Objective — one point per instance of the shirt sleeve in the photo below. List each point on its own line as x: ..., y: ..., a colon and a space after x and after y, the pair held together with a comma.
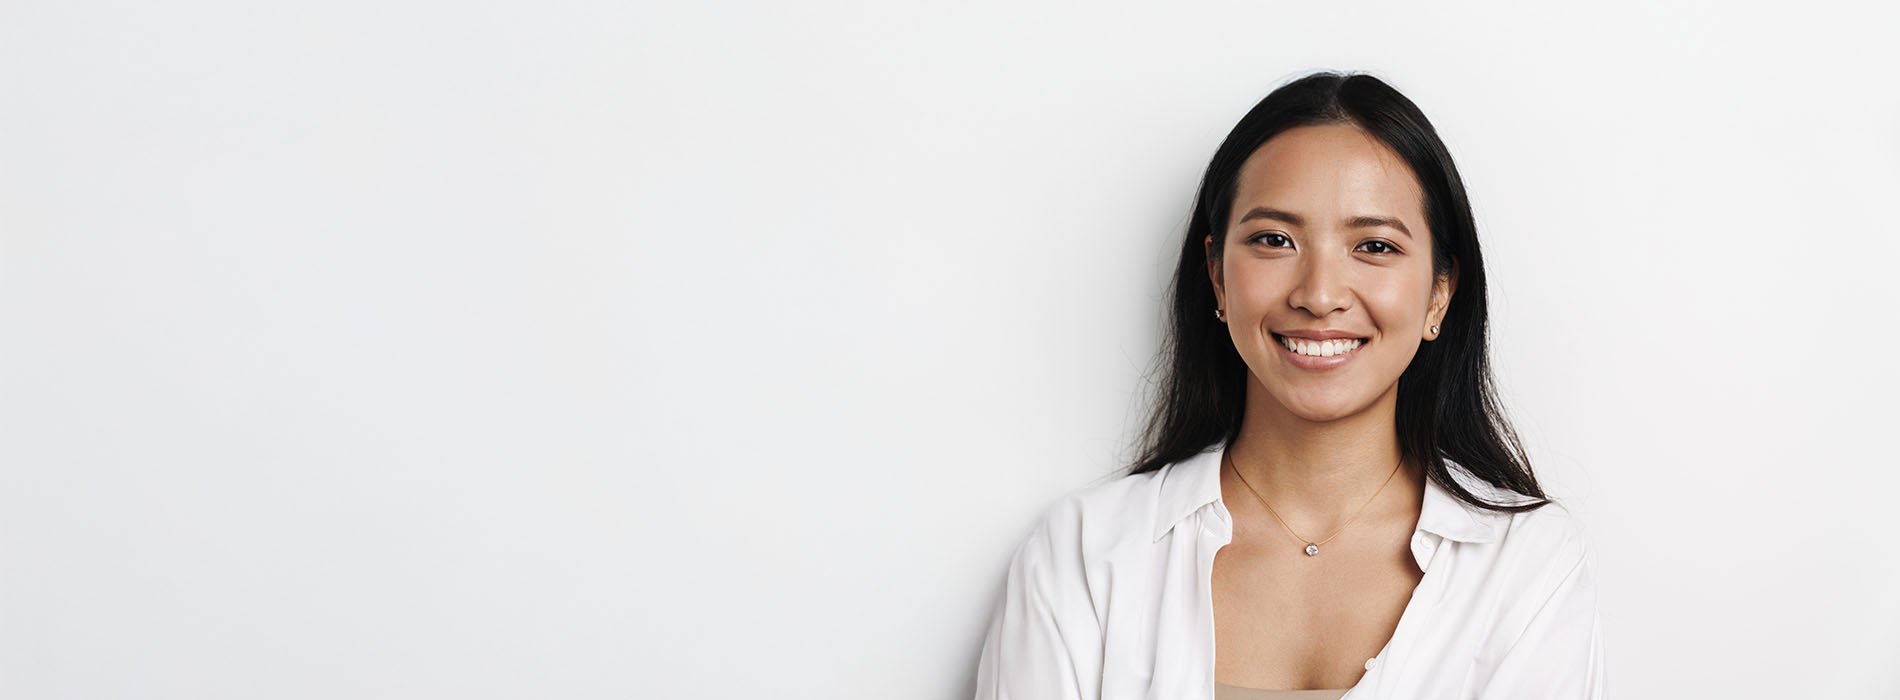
x: 1560, y: 652
x: 1031, y: 652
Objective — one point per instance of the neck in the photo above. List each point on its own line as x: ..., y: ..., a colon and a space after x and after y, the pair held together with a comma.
x: 1318, y: 473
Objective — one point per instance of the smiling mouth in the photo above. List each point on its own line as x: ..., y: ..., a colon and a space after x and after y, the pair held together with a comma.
x: 1320, y: 348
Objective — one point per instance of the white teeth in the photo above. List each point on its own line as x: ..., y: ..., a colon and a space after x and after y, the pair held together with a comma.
x: 1324, y: 348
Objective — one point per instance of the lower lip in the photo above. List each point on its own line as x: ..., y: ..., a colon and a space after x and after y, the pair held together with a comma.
x: 1314, y: 362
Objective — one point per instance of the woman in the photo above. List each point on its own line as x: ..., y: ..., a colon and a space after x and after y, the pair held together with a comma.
x: 1330, y: 502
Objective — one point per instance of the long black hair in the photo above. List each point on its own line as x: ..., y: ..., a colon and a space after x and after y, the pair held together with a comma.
x: 1447, y: 405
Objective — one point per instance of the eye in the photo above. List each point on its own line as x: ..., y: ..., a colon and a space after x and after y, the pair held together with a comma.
x: 1270, y: 235
x: 1384, y: 247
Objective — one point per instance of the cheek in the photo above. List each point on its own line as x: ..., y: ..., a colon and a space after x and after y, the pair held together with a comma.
x: 1258, y: 288
x: 1396, y: 304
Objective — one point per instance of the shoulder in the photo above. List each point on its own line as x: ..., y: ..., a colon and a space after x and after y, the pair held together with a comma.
x: 1544, y: 562
x: 1087, y: 524
x: 1545, y: 623
x: 1552, y: 532
x: 1531, y: 552
x: 1102, y: 515
x: 1047, y: 635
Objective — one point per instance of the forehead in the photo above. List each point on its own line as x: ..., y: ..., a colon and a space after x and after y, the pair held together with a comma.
x: 1329, y: 171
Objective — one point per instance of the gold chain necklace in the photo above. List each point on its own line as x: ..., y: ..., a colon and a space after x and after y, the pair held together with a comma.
x: 1312, y: 548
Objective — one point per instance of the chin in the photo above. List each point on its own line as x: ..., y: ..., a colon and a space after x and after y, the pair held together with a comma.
x: 1326, y: 416
x: 1325, y: 410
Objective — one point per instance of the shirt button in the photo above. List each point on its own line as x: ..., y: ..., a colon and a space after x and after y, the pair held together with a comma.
x: 1372, y: 663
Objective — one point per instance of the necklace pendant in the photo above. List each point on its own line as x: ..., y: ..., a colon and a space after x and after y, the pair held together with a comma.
x: 1311, y: 549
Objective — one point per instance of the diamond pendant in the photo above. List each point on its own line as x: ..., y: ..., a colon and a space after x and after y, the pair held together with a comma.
x: 1311, y: 549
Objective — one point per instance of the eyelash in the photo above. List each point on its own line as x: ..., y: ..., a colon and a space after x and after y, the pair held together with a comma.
x: 1390, y: 249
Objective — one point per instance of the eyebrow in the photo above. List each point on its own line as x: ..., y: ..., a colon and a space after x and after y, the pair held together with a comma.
x: 1272, y: 214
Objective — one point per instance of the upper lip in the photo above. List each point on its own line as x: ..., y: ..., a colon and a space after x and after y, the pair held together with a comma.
x: 1320, y: 334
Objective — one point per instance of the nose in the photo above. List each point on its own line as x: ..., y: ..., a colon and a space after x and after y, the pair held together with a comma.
x: 1322, y: 287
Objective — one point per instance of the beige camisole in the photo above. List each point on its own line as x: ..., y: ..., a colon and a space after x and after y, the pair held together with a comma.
x: 1223, y: 691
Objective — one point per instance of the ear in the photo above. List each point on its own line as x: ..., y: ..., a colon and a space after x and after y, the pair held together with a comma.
x: 1213, y: 273
x: 1442, y: 290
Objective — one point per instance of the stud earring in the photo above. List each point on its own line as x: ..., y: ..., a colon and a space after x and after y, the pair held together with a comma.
x: 1434, y: 330
x: 1220, y: 315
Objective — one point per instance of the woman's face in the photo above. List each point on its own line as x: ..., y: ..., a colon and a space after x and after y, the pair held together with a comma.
x: 1327, y: 236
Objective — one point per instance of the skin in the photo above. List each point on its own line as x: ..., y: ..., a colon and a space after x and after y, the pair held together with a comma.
x: 1318, y: 444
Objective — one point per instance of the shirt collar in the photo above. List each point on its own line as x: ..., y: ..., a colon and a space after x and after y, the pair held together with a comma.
x: 1192, y: 483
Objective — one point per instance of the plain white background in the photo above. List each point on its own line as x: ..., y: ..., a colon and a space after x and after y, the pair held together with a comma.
x: 588, y: 350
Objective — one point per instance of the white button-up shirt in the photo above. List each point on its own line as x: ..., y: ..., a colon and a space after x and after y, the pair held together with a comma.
x: 1111, y: 598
